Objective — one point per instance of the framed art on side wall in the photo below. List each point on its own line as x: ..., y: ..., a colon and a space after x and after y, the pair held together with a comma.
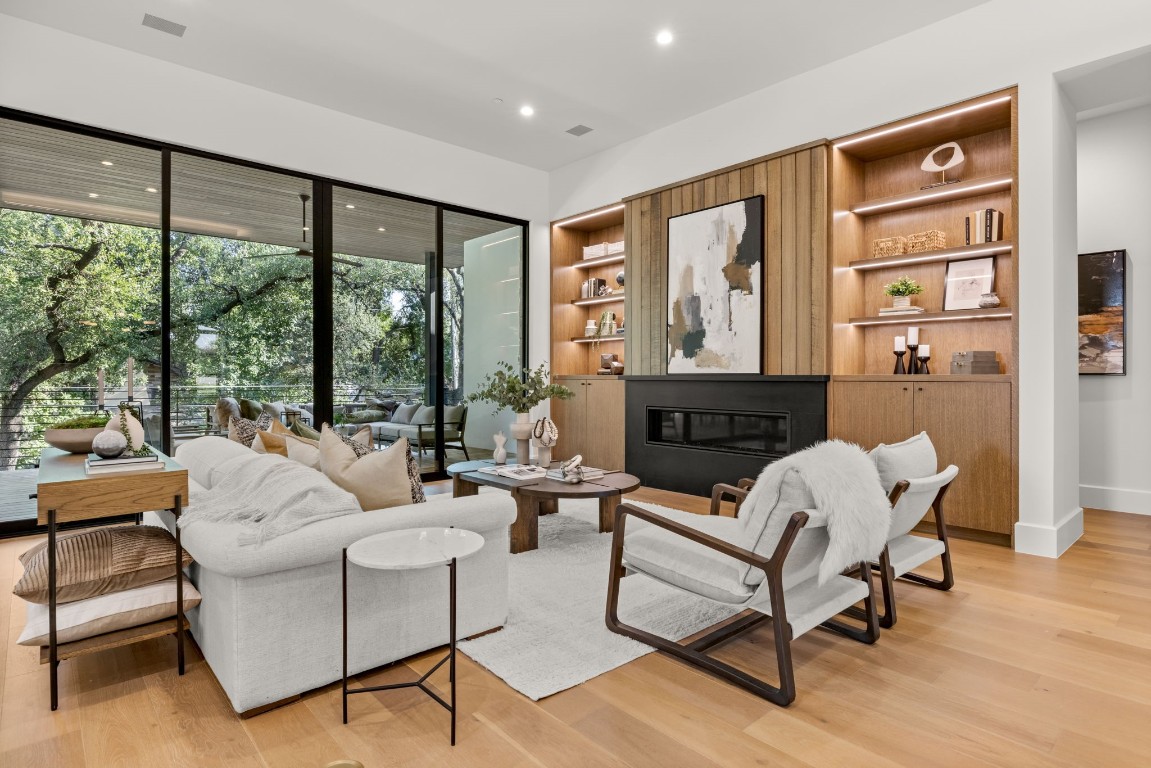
x: 967, y: 281
x: 715, y: 289
x: 1103, y: 312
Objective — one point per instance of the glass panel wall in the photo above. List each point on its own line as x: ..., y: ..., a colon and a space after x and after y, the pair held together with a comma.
x: 79, y: 291
x: 241, y: 276
x: 381, y: 250
x: 482, y: 299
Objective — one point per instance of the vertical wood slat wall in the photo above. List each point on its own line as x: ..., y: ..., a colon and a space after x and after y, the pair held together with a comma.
x: 796, y: 273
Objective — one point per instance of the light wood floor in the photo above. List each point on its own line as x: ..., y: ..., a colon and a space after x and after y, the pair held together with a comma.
x: 1028, y: 661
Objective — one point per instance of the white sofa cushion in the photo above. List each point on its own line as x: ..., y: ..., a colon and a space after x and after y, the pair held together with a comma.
x: 202, y: 455
x: 107, y: 613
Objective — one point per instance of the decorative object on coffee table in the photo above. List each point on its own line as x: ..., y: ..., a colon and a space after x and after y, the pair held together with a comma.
x: 108, y: 444
x: 500, y: 454
x: 546, y: 434
x: 715, y: 289
x: 519, y: 391
x: 75, y: 435
x: 413, y: 549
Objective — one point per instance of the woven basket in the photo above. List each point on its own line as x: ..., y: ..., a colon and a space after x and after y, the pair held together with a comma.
x: 888, y: 246
x: 931, y: 240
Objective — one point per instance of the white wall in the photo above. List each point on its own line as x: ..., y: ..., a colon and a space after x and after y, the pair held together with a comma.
x: 1115, y: 411
x: 1000, y: 43
x: 48, y: 72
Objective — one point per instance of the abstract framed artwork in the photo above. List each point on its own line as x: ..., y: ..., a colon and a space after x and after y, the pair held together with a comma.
x: 715, y: 289
x: 1103, y: 312
x: 967, y: 281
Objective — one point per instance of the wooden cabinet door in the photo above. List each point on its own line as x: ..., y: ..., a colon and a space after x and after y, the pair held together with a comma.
x: 603, y: 444
x: 871, y: 412
x: 570, y: 417
x: 970, y: 426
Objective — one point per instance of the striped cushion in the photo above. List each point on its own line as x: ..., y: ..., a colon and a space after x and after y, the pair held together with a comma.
x: 98, y: 562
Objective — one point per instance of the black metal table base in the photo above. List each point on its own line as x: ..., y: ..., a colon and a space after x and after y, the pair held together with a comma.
x: 450, y: 659
x: 54, y: 646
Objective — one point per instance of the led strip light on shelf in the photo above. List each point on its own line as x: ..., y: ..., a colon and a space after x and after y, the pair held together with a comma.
x: 956, y: 191
x: 593, y: 339
x: 915, y: 318
x: 923, y: 121
x: 928, y: 256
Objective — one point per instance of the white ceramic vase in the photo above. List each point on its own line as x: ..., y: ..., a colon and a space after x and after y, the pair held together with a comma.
x: 135, y: 429
x: 500, y: 454
x: 521, y: 430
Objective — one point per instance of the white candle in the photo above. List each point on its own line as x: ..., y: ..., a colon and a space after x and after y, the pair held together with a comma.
x: 925, y: 350
x: 100, y: 389
x: 131, y: 375
x: 900, y: 344
x: 913, y: 335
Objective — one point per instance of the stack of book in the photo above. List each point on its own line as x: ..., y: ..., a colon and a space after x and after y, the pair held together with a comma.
x: 94, y: 465
x: 984, y: 226
x: 912, y: 310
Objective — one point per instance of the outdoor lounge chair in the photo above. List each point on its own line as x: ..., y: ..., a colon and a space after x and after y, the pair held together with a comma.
x: 769, y: 559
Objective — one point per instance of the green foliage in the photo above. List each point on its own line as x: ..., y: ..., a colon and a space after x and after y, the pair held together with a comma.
x: 506, y: 388
x: 904, y: 286
x: 82, y: 422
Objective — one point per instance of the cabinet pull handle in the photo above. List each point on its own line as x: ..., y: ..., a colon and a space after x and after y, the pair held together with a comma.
x: 920, y: 388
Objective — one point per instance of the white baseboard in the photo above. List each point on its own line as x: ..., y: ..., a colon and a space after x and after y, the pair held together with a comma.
x: 1049, y: 540
x: 1116, y: 499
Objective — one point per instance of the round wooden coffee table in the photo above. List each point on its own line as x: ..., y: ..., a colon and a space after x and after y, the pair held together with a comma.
x: 541, y: 496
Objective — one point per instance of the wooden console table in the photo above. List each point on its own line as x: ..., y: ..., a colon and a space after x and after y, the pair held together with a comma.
x: 66, y: 493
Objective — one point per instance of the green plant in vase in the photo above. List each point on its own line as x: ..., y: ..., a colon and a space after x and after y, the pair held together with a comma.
x: 901, y: 290
x: 519, y: 391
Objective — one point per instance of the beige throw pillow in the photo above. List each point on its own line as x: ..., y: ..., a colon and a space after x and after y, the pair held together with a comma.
x: 272, y: 440
x: 378, y: 479
x: 98, y: 562
x: 307, y: 451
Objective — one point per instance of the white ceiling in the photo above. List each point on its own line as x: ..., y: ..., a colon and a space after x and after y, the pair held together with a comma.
x: 434, y: 68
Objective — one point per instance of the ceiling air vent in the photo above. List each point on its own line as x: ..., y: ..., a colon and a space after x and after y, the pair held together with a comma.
x: 578, y: 130
x: 163, y: 25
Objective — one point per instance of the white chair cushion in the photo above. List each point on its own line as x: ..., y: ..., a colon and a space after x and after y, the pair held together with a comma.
x: 908, y: 552
x: 809, y: 604
x: 683, y: 563
x: 914, y: 457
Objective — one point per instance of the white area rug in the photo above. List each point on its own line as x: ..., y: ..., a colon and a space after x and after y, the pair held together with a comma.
x: 555, y: 637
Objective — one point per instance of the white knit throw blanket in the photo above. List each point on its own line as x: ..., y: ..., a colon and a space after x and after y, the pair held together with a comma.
x: 845, y: 487
x: 269, y: 496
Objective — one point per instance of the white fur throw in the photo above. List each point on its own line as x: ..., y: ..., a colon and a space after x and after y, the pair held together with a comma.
x: 844, y: 485
x: 270, y: 496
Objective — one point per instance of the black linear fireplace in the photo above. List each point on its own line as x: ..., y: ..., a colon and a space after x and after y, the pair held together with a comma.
x: 686, y: 433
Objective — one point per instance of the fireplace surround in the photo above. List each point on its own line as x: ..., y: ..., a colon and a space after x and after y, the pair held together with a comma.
x: 686, y: 433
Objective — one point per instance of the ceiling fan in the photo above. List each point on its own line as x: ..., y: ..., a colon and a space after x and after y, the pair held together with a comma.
x: 304, y: 248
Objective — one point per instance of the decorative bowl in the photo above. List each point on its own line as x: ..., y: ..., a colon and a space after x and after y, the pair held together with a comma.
x: 72, y: 440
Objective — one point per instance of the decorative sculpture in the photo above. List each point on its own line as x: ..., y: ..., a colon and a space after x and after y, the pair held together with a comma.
x: 500, y: 454
x: 545, y: 434
x: 931, y: 166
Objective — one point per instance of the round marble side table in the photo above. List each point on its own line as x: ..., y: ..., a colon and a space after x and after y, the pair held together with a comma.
x: 411, y: 549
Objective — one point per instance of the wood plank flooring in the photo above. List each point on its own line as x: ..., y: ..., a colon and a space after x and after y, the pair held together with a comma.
x: 1027, y: 662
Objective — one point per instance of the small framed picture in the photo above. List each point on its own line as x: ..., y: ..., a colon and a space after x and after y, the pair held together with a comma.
x: 967, y: 281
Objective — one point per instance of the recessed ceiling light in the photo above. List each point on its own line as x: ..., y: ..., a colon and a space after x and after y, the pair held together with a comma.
x: 106, y: 162
x: 664, y: 37
x: 381, y: 229
x: 150, y: 189
x: 349, y: 206
x: 92, y: 194
x: 527, y: 111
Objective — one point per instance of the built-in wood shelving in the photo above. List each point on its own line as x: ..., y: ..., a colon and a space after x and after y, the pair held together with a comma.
x: 593, y: 339
x: 929, y: 257
x: 957, y: 191
x: 600, y: 261
x: 917, y: 318
x: 610, y: 298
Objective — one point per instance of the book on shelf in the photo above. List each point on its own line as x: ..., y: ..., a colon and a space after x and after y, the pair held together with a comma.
x: 984, y: 226
x: 148, y: 466
x: 901, y: 310
x: 127, y: 458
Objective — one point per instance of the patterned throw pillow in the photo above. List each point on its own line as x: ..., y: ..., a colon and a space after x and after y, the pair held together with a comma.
x: 244, y: 431
x: 360, y: 442
x: 414, y: 480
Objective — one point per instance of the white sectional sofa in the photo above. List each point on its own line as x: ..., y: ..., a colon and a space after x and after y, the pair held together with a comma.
x: 269, y: 625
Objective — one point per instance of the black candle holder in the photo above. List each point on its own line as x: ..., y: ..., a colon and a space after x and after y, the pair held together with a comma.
x: 912, y: 364
x: 923, y: 369
x: 899, y: 369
